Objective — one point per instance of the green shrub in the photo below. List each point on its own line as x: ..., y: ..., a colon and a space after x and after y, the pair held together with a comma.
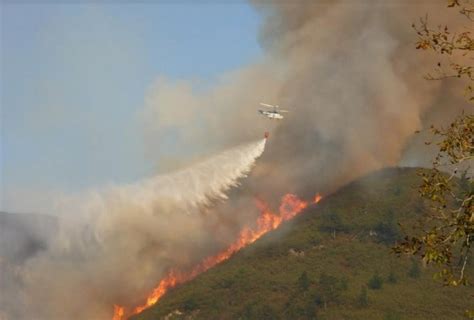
x: 388, y: 230
x: 392, y: 277
x: 332, y: 223
x: 189, y: 304
x: 328, y: 290
x: 303, y: 281
x: 375, y: 282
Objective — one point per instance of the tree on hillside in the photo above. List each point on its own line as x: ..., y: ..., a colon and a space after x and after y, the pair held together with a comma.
x: 329, y: 289
x: 333, y: 223
x: 303, y: 281
x: 446, y: 234
x: 189, y: 304
x: 387, y: 230
x: 375, y: 282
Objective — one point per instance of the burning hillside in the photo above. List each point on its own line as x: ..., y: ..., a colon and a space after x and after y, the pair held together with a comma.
x: 317, y: 267
x: 290, y: 206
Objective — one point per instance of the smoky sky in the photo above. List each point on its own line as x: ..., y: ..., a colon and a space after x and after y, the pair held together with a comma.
x: 348, y: 72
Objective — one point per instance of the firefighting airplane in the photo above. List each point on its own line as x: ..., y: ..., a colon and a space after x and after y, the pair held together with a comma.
x: 272, y: 114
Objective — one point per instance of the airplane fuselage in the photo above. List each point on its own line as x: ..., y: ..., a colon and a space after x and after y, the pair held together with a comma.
x: 271, y: 114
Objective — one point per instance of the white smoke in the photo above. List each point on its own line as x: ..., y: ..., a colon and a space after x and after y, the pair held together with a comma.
x: 116, y: 243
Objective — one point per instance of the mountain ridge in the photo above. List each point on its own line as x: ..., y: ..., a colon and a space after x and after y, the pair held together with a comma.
x: 331, y: 262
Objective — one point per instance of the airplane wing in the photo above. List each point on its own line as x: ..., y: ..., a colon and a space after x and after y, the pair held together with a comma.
x: 268, y: 105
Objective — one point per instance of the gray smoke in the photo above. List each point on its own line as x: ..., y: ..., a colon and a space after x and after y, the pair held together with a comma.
x: 351, y: 78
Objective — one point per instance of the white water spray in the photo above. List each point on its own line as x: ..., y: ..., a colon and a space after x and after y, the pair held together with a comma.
x: 199, y: 184
x: 115, y: 243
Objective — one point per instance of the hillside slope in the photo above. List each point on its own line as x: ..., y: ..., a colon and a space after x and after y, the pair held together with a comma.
x: 331, y: 262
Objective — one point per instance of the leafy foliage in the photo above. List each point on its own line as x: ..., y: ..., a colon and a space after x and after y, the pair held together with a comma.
x: 445, y: 235
x: 452, y: 44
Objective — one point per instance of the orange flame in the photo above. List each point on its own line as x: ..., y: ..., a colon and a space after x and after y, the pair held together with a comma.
x: 118, y: 312
x: 317, y: 198
x: 290, y: 206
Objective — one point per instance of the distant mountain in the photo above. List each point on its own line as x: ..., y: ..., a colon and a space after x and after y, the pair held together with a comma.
x: 331, y: 262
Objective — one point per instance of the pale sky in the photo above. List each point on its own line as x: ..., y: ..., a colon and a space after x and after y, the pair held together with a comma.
x: 74, y: 78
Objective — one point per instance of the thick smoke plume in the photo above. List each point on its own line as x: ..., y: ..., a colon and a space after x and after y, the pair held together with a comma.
x: 114, y: 244
x: 352, y: 80
x: 348, y: 72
